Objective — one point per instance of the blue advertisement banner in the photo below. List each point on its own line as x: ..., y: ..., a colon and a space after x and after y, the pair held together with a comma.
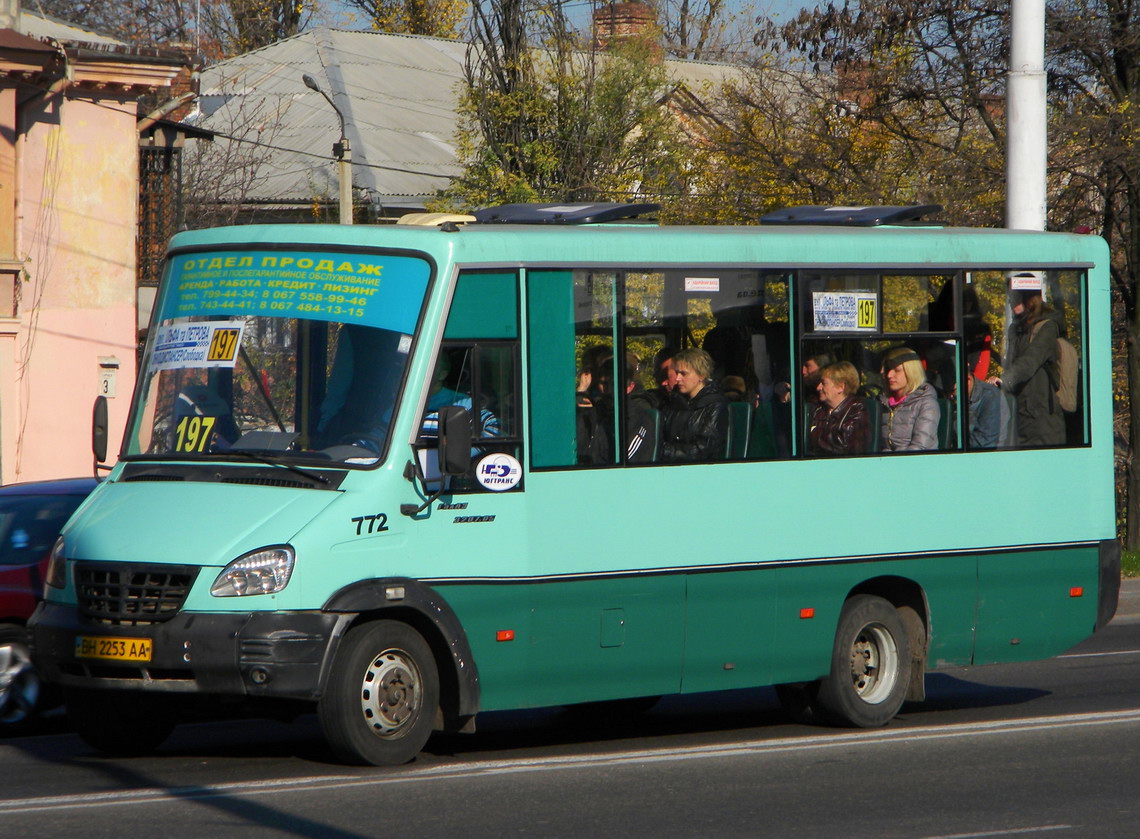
x: 384, y: 291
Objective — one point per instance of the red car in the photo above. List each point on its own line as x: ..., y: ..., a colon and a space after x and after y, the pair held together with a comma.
x: 31, y: 516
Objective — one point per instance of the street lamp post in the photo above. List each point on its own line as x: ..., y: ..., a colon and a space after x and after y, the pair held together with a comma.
x: 342, y: 151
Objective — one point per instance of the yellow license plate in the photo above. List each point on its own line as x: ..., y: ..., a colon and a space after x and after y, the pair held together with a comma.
x: 113, y: 649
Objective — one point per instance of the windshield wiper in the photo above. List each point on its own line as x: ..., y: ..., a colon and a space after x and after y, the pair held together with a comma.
x: 270, y: 459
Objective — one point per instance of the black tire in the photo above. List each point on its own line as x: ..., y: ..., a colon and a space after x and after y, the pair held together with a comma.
x: 118, y: 722
x: 380, y: 702
x: 870, y: 665
x: 21, y: 692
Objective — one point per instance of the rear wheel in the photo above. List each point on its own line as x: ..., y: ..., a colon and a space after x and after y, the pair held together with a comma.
x: 380, y: 702
x: 120, y: 722
x: 20, y: 687
x: 870, y: 665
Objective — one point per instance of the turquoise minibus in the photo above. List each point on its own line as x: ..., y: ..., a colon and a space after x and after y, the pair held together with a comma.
x: 555, y: 454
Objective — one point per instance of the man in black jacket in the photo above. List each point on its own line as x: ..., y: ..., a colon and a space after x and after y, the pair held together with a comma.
x: 696, y: 429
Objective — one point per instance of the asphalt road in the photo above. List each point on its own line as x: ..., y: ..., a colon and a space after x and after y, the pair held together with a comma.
x: 1042, y: 749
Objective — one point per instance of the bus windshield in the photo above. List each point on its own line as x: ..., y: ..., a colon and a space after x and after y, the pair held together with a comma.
x: 298, y: 356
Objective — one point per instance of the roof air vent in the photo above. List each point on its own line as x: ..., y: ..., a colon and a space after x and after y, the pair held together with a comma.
x: 562, y: 213
x: 853, y: 216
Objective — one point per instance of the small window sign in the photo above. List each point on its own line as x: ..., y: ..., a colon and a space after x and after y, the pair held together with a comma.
x: 845, y: 311
x: 1026, y: 281
x: 710, y: 284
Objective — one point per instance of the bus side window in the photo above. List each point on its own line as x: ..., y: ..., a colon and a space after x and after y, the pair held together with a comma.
x: 1037, y: 323
x: 601, y: 387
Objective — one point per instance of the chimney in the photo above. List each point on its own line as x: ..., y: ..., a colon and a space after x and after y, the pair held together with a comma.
x: 10, y: 14
x: 627, y: 19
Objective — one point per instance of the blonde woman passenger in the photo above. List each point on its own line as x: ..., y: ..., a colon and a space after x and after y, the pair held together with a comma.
x: 910, y: 406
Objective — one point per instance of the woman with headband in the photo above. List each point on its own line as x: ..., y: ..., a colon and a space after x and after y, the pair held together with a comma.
x: 910, y: 406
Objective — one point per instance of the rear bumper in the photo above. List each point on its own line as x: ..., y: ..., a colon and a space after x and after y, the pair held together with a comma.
x: 1108, y: 592
x: 257, y: 654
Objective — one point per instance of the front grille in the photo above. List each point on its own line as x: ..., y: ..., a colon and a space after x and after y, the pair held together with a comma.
x: 123, y: 594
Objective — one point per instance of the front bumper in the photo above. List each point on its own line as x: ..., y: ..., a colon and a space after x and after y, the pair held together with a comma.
x: 281, y: 655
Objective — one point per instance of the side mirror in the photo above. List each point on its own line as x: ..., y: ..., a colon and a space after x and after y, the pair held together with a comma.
x: 99, y: 429
x: 451, y: 456
x: 454, y: 440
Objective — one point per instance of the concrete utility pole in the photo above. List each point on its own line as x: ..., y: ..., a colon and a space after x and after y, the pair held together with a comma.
x: 342, y: 151
x: 1026, y: 155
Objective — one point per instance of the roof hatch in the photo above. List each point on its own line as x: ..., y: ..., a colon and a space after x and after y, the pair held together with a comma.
x: 853, y: 216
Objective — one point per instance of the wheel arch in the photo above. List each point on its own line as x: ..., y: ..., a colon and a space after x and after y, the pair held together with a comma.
x: 425, y: 610
x: 909, y: 599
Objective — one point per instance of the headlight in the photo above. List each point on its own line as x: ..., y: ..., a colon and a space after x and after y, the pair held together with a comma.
x: 57, y: 566
x: 265, y: 571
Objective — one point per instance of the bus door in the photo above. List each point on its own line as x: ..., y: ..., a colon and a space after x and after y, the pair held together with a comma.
x: 470, y: 543
x: 601, y: 627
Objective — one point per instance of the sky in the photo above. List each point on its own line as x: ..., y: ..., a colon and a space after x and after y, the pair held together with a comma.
x: 340, y: 13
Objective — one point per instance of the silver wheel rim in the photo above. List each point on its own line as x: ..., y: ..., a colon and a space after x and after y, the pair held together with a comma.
x: 874, y: 663
x: 391, y: 694
x: 19, y: 684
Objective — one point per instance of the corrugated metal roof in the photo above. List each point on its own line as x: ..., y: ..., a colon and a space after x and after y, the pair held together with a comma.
x: 42, y: 26
x: 398, y: 94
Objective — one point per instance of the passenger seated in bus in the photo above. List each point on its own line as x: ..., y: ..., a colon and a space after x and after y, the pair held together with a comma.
x: 735, y: 390
x: 840, y: 423
x: 809, y: 379
x: 593, y: 359
x: 696, y: 429
x: 983, y: 411
x: 666, y: 377
x: 910, y: 406
x: 596, y: 421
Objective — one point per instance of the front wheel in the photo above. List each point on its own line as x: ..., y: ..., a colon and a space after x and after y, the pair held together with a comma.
x: 380, y: 702
x: 870, y: 665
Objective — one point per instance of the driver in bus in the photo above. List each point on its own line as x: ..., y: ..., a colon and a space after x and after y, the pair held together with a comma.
x: 441, y: 396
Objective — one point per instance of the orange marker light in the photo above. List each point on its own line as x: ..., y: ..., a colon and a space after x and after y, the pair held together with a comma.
x: 807, y: 614
x: 505, y: 635
x: 1077, y: 591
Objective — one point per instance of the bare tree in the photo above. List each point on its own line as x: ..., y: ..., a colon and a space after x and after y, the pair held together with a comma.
x: 704, y: 29
x: 222, y: 175
x: 134, y: 21
x: 221, y: 28
x: 440, y: 18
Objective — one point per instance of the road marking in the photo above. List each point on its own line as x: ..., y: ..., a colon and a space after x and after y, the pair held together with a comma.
x: 484, y: 768
x: 1099, y: 655
x: 1014, y: 832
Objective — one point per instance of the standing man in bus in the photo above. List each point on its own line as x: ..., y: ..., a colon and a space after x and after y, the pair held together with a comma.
x: 1032, y: 364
